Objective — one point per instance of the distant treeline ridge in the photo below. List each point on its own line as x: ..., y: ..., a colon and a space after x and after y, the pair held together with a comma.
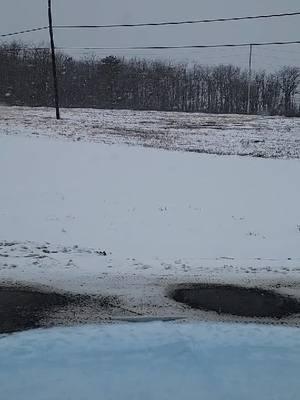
x: 111, y: 82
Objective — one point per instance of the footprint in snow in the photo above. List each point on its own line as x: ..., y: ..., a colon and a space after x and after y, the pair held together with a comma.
x: 144, y: 267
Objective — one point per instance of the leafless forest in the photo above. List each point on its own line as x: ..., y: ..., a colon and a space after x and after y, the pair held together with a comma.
x: 121, y: 83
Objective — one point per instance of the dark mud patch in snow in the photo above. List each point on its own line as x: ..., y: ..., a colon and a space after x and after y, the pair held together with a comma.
x: 27, y: 308
x: 238, y: 301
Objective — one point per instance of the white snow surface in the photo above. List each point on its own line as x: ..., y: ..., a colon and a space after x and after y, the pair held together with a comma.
x: 152, y: 361
x: 246, y: 135
x: 167, y: 215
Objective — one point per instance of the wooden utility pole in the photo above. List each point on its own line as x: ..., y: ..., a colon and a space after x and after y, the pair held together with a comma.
x: 249, y: 79
x: 55, y: 83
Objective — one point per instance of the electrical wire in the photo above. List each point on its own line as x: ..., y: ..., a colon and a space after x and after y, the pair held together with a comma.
x: 188, y: 22
x: 200, y: 46
x: 42, y: 28
x: 166, y: 23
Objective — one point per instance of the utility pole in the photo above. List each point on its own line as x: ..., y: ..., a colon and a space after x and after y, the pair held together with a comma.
x: 55, y: 83
x: 249, y: 78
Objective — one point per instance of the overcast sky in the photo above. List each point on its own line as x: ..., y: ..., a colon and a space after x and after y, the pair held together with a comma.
x: 19, y: 14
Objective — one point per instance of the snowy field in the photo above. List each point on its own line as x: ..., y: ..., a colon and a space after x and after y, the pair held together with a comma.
x: 259, y: 136
x: 152, y: 361
x: 161, y: 217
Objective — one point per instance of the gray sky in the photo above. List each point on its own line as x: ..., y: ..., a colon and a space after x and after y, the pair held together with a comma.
x: 19, y: 14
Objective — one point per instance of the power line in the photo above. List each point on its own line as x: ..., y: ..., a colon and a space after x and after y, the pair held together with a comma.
x: 188, y: 22
x: 42, y: 28
x: 200, y: 46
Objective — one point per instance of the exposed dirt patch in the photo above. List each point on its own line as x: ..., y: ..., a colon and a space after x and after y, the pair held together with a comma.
x: 26, y: 308
x: 234, y: 300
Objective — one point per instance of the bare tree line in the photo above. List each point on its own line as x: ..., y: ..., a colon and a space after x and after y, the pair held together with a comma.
x: 111, y: 82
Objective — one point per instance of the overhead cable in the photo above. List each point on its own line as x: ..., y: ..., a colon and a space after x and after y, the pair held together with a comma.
x: 42, y: 28
x: 194, y: 46
x: 187, y: 22
x: 164, y: 23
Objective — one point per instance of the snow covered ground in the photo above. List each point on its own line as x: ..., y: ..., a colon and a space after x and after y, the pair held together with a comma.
x: 152, y: 361
x: 259, y: 136
x: 160, y: 216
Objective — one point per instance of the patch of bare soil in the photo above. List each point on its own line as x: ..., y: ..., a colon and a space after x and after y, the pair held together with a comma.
x: 238, y: 301
x: 26, y: 308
